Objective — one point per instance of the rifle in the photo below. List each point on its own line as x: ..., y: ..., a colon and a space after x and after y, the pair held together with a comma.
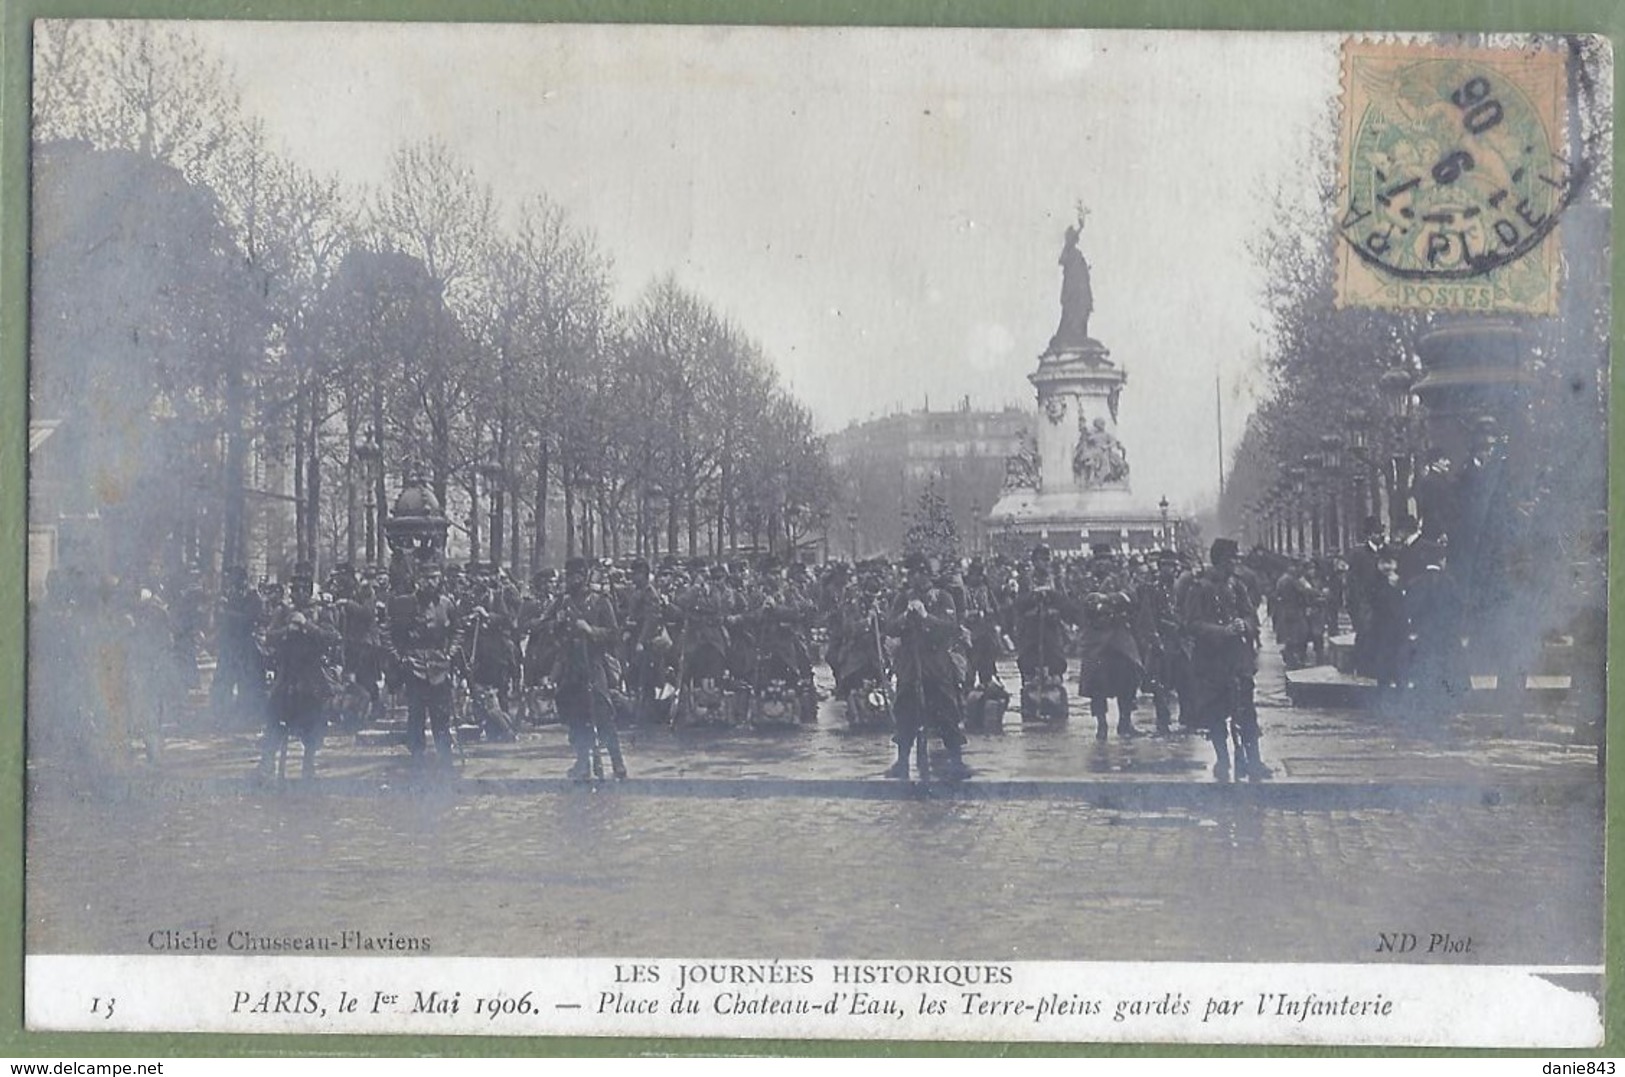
x: 682, y: 670
x: 756, y: 669
x: 1040, y: 602
x: 921, y: 740
x: 880, y: 664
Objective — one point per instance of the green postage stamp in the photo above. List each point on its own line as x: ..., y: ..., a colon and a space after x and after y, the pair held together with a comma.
x: 1455, y: 167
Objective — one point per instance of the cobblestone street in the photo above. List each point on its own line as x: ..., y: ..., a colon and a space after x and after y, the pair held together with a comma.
x: 591, y: 872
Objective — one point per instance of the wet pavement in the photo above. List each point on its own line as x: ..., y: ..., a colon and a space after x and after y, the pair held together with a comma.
x: 591, y: 872
x: 791, y: 844
x: 1352, y: 750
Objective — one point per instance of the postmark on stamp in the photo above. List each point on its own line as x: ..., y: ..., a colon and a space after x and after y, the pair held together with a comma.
x: 1454, y: 171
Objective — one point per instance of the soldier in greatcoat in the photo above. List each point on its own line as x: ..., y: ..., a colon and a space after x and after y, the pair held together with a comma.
x: 926, y: 625
x: 1219, y: 617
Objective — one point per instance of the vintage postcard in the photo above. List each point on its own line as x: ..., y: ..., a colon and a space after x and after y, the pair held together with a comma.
x: 824, y: 533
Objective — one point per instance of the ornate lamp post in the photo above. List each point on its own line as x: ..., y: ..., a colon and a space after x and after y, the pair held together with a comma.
x: 1314, y: 471
x: 656, y: 502
x: 416, y: 532
x: 1331, y: 455
x: 371, y: 455
x: 1359, y: 430
x: 1398, y: 401
x: 1278, y: 508
x: 1162, y: 507
x: 1295, y: 476
x: 494, y: 474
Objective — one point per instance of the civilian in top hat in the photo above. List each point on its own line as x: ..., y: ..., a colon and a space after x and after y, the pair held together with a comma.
x: 1362, y: 585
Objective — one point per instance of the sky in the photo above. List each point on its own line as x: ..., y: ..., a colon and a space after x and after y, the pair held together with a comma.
x: 881, y: 208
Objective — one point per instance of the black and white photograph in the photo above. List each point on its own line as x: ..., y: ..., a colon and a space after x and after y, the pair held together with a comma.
x: 828, y: 533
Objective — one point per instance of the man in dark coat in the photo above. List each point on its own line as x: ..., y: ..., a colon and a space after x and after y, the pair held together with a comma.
x: 298, y: 648
x: 1114, y: 623
x: 1042, y: 611
x: 1166, y: 670
x: 704, y: 638
x: 363, y: 642
x: 1433, y: 662
x: 1295, y: 605
x: 980, y: 616
x: 1387, y: 624
x: 422, y: 628
x: 489, y: 659
x: 926, y: 625
x: 778, y: 614
x: 1362, y: 585
x: 1218, y: 614
x: 643, y: 637
x: 238, y: 687
x: 587, y: 633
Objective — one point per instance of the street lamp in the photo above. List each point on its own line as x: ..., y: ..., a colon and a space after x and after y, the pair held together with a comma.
x: 495, y: 474
x: 1331, y: 455
x: 1314, y: 464
x: 1396, y: 387
x: 1162, y: 506
x: 1295, y: 478
x: 371, y: 455
x: 656, y: 505
x: 1267, y: 507
x: 1359, y: 428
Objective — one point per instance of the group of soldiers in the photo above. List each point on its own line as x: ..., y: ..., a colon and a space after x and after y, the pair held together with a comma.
x: 602, y: 641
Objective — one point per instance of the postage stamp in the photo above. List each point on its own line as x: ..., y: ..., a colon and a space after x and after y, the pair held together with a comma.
x: 1455, y: 168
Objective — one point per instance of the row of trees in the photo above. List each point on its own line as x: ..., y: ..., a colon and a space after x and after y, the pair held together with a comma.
x: 210, y: 319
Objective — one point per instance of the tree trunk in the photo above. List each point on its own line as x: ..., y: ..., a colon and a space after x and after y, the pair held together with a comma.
x: 380, y: 504
x: 313, y: 478
x: 693, y: 520
x: 351, y: 421
x: 538, y: 548
x: 516, y: 535
x: 235, y: 501
x: 569, y: 515
x: 497, y: 494
x: 299, y: 409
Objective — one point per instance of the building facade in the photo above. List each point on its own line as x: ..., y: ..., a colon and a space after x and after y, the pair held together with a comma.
x: 886, y: 464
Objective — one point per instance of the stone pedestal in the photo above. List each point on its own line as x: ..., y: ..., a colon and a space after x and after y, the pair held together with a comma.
x: 1081, y: 493
x: 1077, y: 397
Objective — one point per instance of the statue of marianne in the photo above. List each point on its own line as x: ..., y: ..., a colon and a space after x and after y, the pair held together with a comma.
x: 1077, y: 296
